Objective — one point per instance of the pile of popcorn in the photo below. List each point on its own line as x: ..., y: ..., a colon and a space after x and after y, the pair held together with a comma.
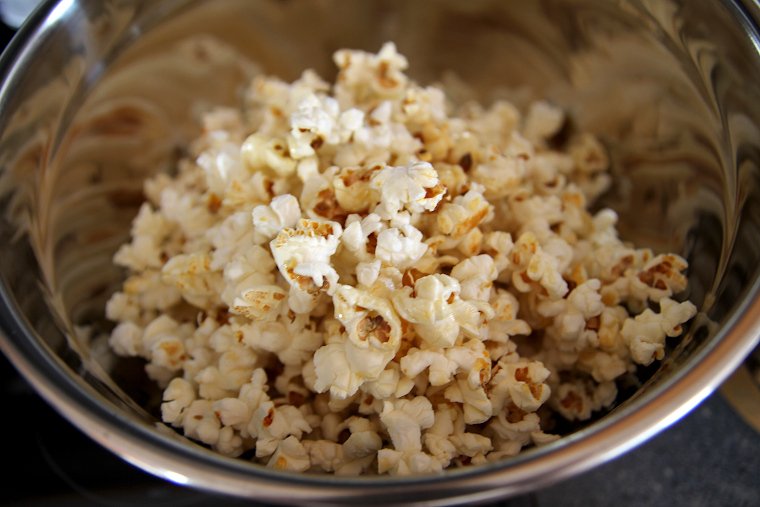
x: 363, y: 278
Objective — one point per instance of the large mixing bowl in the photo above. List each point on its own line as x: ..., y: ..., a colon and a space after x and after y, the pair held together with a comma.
x: 98, y: 94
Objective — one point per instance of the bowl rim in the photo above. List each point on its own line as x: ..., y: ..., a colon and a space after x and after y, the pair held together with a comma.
x: 172, y: 458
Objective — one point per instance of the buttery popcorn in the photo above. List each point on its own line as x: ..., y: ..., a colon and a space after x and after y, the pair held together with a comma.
x: 364, y: 278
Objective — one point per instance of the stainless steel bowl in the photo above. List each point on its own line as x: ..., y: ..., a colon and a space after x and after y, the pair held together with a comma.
x: 97, y: 94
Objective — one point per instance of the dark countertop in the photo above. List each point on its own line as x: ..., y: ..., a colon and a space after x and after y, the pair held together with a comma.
x: 710, y: 458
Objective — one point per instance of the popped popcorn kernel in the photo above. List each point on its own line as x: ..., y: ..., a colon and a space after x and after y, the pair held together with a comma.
x: 367, y: 278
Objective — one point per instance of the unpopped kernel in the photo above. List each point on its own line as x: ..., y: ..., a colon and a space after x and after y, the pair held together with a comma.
x: 365, y: 278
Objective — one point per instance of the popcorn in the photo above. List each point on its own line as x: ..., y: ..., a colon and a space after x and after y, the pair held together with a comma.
x: 476, y: 276
x: 415, y: 188
x: 260, y: 303
x: 148, y: 231
x: 463, y: 214
x: 260, y: 153
x: 571, y: 315
x: 311, y: 124
x: 500, y: 174
x: 333, y: 372
x: 228, y: 237
x: 437, y: 438
x: 353, y: 191
x: 405, y: 420
x: 290, y: 455
x: 435, y: 309
x: 282, y: 212
x: 338, y: 277
x: 191, y: 274
x: 360, y: 236
x: 271, y: 425
x: 578, y: 400
x: 477, y: 407
x: 373, y: 337
x: 293, y: 345
x: 645, y: 334
x: 201, y: 423
x: 400, y: 247
x: 471, y: 359
x: 178, y: 396
x: 543, y: 121
x: 303, y: 257
x: 126, y: 339
x: 533, y: 264
x: 520, y: 383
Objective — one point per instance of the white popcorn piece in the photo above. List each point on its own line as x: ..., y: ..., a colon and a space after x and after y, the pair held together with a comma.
x: 356, y: 236
x: 415, y: 188
x: 303, y: 256
x: 437, y: 438
x: 250, y: 268
x: 472, y: 359
x: 571, y: 315
x: 367, y: 272
x: 221, y: 161
x: 290, y: 455
x: 232, y: 412
x: 178, y: 396
x: 498, y: 245
x: 521, y: 383
x: 363, y: 76
x: 602, y: 366
x: 312, y: 124
x: 353, y: 191
x: 505, y: 322
x: 122, y: 307
x: 406, y: 463
x: 200, y: 422
x: 192, y: 275
x: 230, y: 239
x: 390, y: 383
x: 271, y: 425
x: 400, y: 247
x: 333, y: 372
x: 284, y: 211
x: 580, y: 399
x: 149, y: 291
x: 435, y: 309
x: 471, y: 444
x: 229, y: 443
x: 424, y: 105
x: 260, y: 303
x: 161, y: 329
x: 645, y: 334
x: 404, y: 421
x: 261, y: 153
x: 126, y: 339
x: 463, y: 213
x: 293, y: 345
x: 373, y: 336
x: 532, y: 264
x: 500, y: 174
x: 168, y: 352
x: 441, y: 368
x: 142, y: 253
x: 324, y: 454
x: 475, y: 402
x: 513, y: 429
x: 542, y: 121
x: 476, y: 276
